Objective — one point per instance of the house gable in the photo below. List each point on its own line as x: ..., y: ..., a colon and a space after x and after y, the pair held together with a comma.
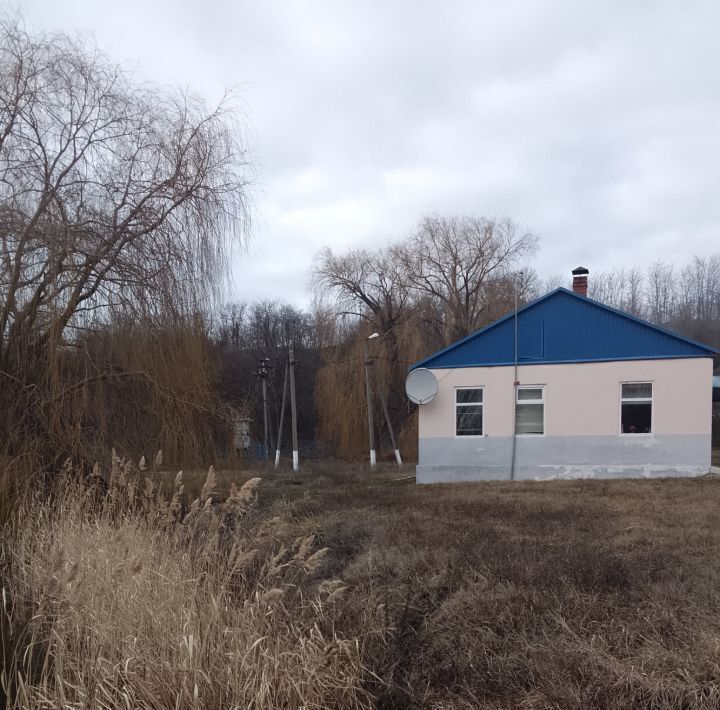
x: 565, y: 327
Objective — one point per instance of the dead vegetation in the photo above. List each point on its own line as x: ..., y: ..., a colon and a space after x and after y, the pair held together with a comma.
x: 118, y: 596
x: 119, y: 206
x: 585, y: 594
x: 336, y: 588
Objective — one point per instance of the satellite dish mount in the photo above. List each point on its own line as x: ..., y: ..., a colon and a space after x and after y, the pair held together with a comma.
x: 421, y: 386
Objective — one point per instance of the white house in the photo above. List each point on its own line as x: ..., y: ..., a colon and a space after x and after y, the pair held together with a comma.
x: 566, y: 387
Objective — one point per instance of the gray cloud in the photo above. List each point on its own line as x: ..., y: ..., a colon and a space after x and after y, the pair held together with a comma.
x: 592, y: 124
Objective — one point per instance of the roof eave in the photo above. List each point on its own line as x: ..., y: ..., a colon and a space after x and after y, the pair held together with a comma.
x: 577, y: 361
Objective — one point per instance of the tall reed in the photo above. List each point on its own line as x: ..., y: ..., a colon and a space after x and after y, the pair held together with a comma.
x: 116, y: 595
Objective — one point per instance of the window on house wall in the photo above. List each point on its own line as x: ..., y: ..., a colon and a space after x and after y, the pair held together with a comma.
x: 530, y: 411
x: 469, y: 411
x: 636, y: 408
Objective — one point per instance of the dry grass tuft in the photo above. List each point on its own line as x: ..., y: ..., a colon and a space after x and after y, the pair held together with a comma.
x: 115, y: 596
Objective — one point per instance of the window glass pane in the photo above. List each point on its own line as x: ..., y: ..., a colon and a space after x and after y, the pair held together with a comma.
x: 469, y: 420
x: 636, y: 418
x: 529, y: 418
x: 474, y: 395
x: 635, y: 390
x: 528, y: 393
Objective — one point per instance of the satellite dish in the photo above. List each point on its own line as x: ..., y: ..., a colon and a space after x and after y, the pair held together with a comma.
x: 421, y: 386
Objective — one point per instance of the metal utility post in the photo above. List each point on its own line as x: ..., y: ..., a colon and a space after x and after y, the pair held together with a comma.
x: 293, y: 412
x: 263, y: 372
x: 282, y: 417
x: 515, y: 384
x: 368, y: 394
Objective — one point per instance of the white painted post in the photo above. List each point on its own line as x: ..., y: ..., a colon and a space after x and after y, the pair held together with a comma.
x: 368, y: 394
x: 282, y: 418
x: 293, y: 412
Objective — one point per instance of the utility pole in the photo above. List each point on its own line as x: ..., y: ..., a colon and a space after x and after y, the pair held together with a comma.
x: 263, y: 372
x: 383, y: 401
x: 515, y: 383
x: 282, y: 417
x: 368, y: 394
x: 293, y: 411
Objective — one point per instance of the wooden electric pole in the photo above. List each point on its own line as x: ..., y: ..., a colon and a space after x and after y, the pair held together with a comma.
x: 368, y: 394
x: 293, y: 412
x: 263, y: 372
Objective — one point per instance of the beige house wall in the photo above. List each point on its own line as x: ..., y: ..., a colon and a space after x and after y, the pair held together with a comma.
x: 581, y: 399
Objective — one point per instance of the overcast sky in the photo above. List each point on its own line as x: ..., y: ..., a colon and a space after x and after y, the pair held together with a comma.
x: 595, y: 125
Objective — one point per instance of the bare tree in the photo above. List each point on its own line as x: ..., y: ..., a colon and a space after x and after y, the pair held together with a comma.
x: 704, y: 276
x: 620, y: 288
x: 608, y: 287
x: 366, y: 284
x: 660, y: 292
x: 551, y: 283
x: 114, y: 198
x: 452, y: 276
x: 634, y: 297
x: 687, y: 300
x: 459, y: 261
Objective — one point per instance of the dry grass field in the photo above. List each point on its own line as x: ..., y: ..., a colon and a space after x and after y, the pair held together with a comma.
x: 340, y: 589
x: 586, y: 594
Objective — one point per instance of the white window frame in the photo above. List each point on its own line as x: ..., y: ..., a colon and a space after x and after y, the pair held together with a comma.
x: 637, y: 400
x: 518, y: 402
x: 470, y: 404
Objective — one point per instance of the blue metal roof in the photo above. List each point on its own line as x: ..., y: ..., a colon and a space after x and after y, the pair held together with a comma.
x: 565, y: 327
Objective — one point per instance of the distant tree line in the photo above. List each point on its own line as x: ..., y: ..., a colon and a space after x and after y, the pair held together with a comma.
x: 685, y: 299
x: 245, y: 333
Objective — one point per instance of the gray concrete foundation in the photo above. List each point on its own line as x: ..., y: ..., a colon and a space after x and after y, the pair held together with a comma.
x: 561, y: 457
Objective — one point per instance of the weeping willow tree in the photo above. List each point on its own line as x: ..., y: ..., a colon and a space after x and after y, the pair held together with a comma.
x: 119, y: 202
x: 454, y: 275
x: 340, y: 390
